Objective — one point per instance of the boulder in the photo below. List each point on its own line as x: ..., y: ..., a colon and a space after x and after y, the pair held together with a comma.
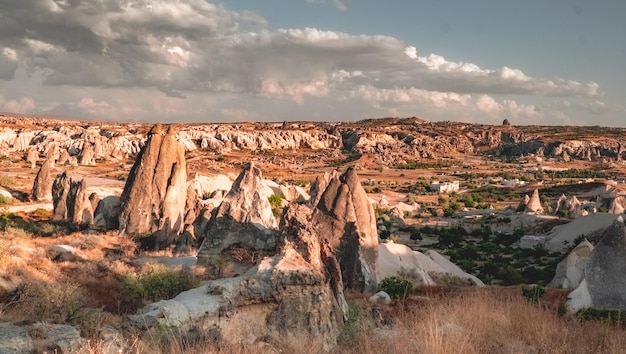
x: 396, y: 217
x: 604, y: 285
x: 15, y: 339
x: 345, y: 217
x: 380, y: 297
x: 243, y: 218
x: 155, y: 192
x: 42, y: 185
x: 60, y: 338
x: 107, y: 213
x: 570, y: 271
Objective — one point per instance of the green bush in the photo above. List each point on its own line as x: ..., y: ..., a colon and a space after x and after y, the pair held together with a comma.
x: 156, y: 282
x: 396, y: 287
x: 276, y: 201
x: 533, y: 294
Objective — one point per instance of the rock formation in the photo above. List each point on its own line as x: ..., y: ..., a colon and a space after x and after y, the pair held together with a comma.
x: 42, y: 185
x: 296, y: 294
x: 87, y: 157
x: 618, y: 205
x: 155, y: 192
x: 345, y: 217
x: 243, y: 218
x: 534, y: 203
x: 604, y: 285
x: 70, y: 201
x: 32, y: 157
x: 319, y: 186
x: 570, y: 271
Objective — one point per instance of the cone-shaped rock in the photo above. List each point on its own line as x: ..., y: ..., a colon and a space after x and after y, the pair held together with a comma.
x: 32, y: 157
x: 319, y: 186
x: 604, y: 286
x: 345, y: 217
x: 155, y: 192
x: 534, y: 203
x: 244, y: 218
x: 70, y: 201
x: 42, y: 186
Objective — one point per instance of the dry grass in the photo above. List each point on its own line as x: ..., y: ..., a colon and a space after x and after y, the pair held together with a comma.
x: 487, y: 321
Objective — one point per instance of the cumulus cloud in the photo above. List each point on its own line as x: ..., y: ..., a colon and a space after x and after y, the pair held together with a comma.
x: 189, y: 48
x: 19, y: 105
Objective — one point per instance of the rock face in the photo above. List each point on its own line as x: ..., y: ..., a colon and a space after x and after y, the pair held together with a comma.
x: 319, y: 186
x: 87, y: 157
x: 570, y: 271
x: 43, y: 183
x: 70, y: 201
x: 155, y: 191
x: 243, y: 218
x: 298, y: 293
x: 534, y: 203
x: 618, y: 205
x: 604, y: 286
x: 345, y: 217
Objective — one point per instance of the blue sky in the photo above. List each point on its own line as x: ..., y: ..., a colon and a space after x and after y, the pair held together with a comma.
x: 533, y: 62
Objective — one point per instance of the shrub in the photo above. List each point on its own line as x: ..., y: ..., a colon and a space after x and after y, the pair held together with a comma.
x: 156, y: 282
x: 5, y: 201
x: 396, y: 287
x: 276, y: 201
x: 533, y: 294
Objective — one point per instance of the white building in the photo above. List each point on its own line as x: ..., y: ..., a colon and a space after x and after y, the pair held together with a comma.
x: 445, y: 187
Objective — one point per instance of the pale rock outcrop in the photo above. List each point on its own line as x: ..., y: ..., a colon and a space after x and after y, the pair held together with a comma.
x: 87, y: 157
x: 562, y: 237
x: 107, y: 213
x: 155, y: 192
x: 396, y: 217
x: 345, y: 217
x: 22, y: 140
x: 604, y: 285
x: 618, y: 205
x: 60, y: 192
x: 32, y: 157
x: 570, y: 271
x: 243, y: 218
x: 422, y: 268
x: 534, y: 203
x: 295, y: 295
x: 42, y: 185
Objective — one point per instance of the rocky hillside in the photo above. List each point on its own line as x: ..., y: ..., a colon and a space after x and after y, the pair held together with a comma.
x: 391, y: 140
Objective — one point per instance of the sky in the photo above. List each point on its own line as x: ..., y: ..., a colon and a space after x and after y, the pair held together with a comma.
x: 534, y: 62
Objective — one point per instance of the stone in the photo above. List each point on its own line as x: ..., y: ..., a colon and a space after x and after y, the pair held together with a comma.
x: 570, y: 272
x: 155, y: 192
x: 243, y: 218
x: 397, y: 217
x: 380, y: 297
x: 15, y: 339
x: 604, y: 285
x: 42, y: 186
x: 60, y: 338
x: 345, y: 217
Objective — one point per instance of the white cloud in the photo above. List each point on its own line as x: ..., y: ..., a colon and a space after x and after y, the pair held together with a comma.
x: 20, y: 105
x: 183, y: 50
